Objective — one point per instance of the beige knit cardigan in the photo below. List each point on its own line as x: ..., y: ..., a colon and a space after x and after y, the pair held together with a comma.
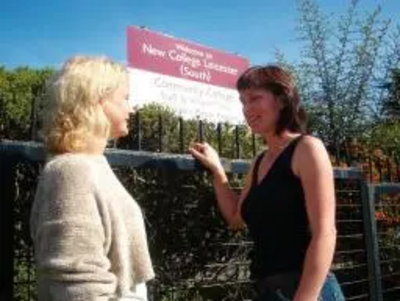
x: 89, y: 235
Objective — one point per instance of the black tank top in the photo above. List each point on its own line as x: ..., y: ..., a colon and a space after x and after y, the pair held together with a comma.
x: 275, y: 213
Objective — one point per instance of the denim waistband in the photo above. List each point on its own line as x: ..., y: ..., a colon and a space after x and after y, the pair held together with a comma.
x: 287, y: 281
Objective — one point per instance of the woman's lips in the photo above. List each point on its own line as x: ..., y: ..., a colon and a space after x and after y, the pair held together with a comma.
x: 253, y: 120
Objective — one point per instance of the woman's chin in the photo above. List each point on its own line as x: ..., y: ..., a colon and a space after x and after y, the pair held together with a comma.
x: 122, y: 132
x: 256, y: 130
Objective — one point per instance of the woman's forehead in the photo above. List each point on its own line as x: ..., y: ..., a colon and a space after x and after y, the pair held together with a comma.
x: 252, y: 91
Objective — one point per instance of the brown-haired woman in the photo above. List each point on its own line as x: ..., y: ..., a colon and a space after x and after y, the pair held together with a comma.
x: 288, y: 201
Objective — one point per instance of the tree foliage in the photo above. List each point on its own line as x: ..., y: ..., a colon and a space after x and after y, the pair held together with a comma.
x: 19, y: 90
x: 391, y: 106
x: 344, y: 61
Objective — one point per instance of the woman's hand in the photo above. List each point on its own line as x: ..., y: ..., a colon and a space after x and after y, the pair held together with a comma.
x: 207, y: 155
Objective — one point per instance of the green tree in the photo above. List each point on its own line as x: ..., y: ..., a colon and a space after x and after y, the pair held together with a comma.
x: 21, y: 91
x: 391, y: 106
x: 343, y: 59
x: 385, y: 134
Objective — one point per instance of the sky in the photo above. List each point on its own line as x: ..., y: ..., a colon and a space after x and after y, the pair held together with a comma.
x: 41, y: 33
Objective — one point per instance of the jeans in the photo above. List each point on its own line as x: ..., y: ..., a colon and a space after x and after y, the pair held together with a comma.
x: 331, y: 291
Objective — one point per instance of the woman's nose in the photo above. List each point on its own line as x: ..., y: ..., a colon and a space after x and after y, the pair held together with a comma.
x: 245, y: 108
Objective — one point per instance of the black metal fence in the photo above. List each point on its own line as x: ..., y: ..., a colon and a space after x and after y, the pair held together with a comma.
x: 157, y: 129
x: 387, y: 214
x: 195, y: 256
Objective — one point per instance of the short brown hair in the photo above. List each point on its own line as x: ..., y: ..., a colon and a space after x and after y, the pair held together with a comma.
x: 281, y: 84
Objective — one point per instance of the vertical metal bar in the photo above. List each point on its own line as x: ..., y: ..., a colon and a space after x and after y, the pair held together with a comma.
x: 379, y: 167
x: 200, y: 139
x: 371, y: 241
x: 237, y: 142
x: 181, y: 135
x: 219, y: 138
x: 347, y: 153
x: 389, y: 169
x: 8, y: 165
x: 33, y: 116
x: 360, y: 158
x: 200, y: 134
x: 253, y: 144
x: 115, y: 143
x: 3, y: 126
x: 160, y: 133
x: 371, y: 169
x: 397, y: 163
x: 337, y: 153
x: 31, y: 277
x: 138, y: 129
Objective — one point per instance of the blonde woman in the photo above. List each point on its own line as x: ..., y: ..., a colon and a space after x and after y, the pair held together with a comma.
x: 89, y: 236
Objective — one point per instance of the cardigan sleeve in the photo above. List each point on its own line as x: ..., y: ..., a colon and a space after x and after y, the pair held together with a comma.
x: 69, y: 236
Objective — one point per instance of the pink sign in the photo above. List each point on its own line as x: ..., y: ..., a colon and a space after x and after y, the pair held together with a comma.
x: 155, y: 52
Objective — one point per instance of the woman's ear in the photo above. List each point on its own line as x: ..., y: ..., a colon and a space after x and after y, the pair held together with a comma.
x: 103, y: 104
x: 281, y: 102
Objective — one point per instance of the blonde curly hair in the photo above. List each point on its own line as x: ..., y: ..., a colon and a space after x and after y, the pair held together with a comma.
x: 73, y: 112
